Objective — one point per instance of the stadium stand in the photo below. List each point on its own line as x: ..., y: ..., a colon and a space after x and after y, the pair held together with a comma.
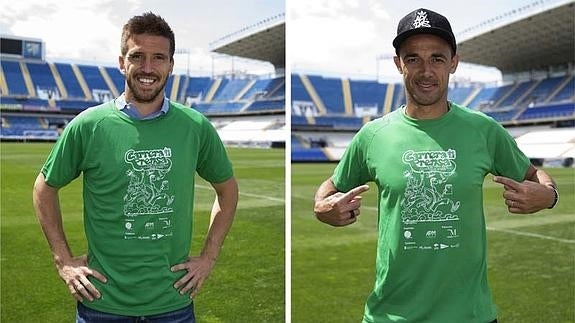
x: 533, y: 92
x: 39, y: 98
x: 14, y: 78
x: 86, y: 85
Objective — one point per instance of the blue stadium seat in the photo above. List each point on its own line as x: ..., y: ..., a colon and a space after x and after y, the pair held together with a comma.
x: 502, y: 116
x: 398, y: 97
x: 368, y: 93
x: 542, y: 91
x: 117, y: 78
x: 556, y: 111
x: 75, y: 106
x: 308, y: 154
x: 330, y: 92
x: 269, y: 105
x: 258, y: 87
x: 298, y: 120
x: 229, y: 90
x: 70, y: 81
x: 487, y: 96
x: 42, y: 78
x: 339, y: 122
x: 511, y: 99
x: 93, y: 77
x: 14, y: 78
x: 566, y: 93
x: 459, y: 94
x: 198, y: 87
x: 298, y: 91
x: 219, y: 107
x: 276, y: 88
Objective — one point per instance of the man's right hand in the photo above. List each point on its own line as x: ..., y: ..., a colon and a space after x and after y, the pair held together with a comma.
x: 74, y: 272
x: 340, y: 209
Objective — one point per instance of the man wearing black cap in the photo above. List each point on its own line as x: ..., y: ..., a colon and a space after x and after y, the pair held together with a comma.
x: 429, y: 159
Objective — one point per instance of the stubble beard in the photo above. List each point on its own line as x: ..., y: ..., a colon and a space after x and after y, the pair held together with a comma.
x: 424, y: 99
x: 140, y: 96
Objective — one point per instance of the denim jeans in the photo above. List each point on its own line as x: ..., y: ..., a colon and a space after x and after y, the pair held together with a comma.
x: 88, y: 315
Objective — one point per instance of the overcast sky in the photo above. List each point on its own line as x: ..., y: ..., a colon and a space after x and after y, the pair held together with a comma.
x: 337, y: 37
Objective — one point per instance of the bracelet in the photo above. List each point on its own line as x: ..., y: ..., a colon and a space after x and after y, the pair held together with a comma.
x: 556, y: 195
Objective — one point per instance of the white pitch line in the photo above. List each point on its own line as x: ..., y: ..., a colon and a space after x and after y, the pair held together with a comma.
x: 529, y: 234
x: 275, y: 199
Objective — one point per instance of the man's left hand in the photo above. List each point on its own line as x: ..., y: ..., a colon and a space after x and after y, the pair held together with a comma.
x: 198, y: 269
x: 525, y: 197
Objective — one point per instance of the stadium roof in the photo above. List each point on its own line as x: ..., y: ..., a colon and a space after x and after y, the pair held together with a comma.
x: 263, y: 41
x: 538, y: 39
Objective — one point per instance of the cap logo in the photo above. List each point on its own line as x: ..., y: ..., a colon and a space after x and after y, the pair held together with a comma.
x: 421, y: 20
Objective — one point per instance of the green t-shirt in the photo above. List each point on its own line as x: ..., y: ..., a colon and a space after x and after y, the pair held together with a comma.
x: 431, y: 250
x: 138, y: 193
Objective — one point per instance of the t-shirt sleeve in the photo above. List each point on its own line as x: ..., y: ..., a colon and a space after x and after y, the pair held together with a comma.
x: 65, y: 159
x: 507, y: 159
x: 213, y: 163
x: 352, y: 170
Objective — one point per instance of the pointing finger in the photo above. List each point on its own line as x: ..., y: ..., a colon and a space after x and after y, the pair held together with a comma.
x: 354, y: 192
x: 508, y: 182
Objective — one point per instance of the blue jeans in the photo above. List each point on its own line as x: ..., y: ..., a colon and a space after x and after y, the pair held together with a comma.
x: 88, y: 315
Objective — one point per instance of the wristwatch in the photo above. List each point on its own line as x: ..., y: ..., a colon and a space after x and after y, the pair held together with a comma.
x: 556, y: 195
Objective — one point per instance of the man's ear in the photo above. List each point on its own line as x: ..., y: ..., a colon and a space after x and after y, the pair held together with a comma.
x: 397, y: 62
x: 454, y: 63
x: 121, y: 64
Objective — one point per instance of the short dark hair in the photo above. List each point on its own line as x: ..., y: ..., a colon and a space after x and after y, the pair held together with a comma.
x: 147, y: 23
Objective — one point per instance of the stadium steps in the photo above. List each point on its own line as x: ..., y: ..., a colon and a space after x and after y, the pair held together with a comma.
x: 3, y: 84
x: 559, y: 88
x: 5, y: 123
x: 182, y: 97
x: 328, y: 153
x: 399, y: 97
x: 310, y: 119
x: 275, y: 89
x: 388, y: 98
x: 213, y: 89
x: 109, y: 81
x: 246, y: 106
x: 525, y: 94
x: 175, y: 87
x: 59, y: 82
x: 28, y: 80
x: 43, y: 123
x: 304, y: 143
x: 313, y: 94
x: 471, y: 96
x: 346, y: 90
x: 243, y: 91
x: 82, y: 82
x: 509, y: 92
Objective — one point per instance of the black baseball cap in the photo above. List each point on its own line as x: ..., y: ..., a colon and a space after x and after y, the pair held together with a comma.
x: 424, y: 21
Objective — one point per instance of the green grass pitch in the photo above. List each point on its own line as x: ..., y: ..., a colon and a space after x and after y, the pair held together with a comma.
x: 531, y: 258
x: 247, y: 284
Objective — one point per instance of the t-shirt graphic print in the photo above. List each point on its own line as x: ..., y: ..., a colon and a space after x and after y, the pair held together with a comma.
x: 429, y: 210
x: 148, y: 200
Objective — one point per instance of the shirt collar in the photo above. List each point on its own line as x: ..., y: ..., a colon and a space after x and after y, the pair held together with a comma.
x: 131, y: 111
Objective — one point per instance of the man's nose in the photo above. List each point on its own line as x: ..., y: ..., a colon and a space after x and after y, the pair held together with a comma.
x: 147, y: 65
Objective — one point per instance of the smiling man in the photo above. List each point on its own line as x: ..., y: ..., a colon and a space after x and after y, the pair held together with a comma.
x: 138, y: 155
x: 429, y: 159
